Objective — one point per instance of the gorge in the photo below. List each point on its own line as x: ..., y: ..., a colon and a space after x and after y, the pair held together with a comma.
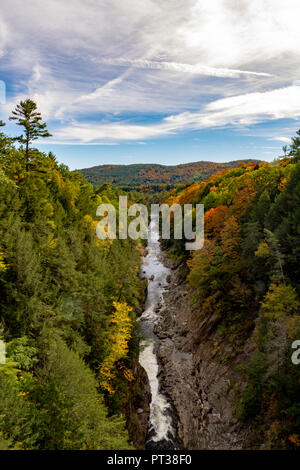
x: 161, y: 432
x: 190, y: 398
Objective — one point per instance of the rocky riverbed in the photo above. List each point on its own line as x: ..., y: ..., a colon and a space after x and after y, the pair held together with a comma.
x: 196, y: 371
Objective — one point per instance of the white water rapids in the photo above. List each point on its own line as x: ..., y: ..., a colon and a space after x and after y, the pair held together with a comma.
x: 160, y: 425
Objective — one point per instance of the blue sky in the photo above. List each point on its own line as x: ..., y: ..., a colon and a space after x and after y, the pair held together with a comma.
x: 151, y: 81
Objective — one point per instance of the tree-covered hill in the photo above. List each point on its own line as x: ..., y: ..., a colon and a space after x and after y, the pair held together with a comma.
x: 154, y: 175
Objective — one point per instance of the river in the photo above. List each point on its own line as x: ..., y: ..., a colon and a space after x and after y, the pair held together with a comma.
x: 161, y: 432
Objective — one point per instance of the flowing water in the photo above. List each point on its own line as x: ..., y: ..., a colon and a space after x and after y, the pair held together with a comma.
x: 161, y: 433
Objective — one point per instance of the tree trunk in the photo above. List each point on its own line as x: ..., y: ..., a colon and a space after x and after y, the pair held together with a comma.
x: 27, y: 154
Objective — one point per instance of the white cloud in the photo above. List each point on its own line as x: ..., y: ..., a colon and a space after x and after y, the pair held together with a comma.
x: 87, y: 133
x: 285, y: 140
x: 200, y: 63
x: 194, y: 69
x: 279, y: 103
x: 230, y: 32
x: 237, y: 110
x: 102, y: 92
x: 3, y: 36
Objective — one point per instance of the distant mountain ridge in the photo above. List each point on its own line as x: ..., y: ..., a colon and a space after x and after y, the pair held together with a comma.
x: 153, y: 174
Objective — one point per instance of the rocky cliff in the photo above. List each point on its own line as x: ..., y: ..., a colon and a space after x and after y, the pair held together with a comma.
x: 198, y: 372
x: 137, y: 407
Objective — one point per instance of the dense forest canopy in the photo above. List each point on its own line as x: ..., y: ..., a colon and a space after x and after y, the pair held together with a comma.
x: 154, y: 177
x: 68, y: 304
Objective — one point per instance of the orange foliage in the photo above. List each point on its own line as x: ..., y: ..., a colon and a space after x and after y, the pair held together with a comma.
x: 243, y: 199
x: 294, y: 438
x: 282, y: 184
x: 191, y: 194
x: 214, y: 221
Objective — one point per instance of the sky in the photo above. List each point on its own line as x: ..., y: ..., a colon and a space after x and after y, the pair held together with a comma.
x: 152, y: 81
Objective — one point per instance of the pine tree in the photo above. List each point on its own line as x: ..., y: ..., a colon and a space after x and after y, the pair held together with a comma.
x: 295, y: 146
x: 26, y: 115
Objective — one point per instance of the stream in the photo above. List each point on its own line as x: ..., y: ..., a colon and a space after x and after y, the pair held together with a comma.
x: 161, y: 433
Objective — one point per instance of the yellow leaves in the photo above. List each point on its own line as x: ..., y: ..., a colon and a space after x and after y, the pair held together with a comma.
x: 284, y: 162
x: 89, y: 226
x: 127, y: 373
x: 263, y: 250
x: 191, y: 193
x: 3, y: 266
x: 88, y: 223
x: 107, y: 375
x: 18, y: 177
x: 104, y: 244
x: 282, y: 184
x: 216, y: 345
x: 52, y: 244
x: 117, y: 341
x: 280, y: 301
x: 10, y: 368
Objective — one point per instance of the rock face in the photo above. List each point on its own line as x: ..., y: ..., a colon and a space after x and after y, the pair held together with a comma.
x: 137, y: 407
x: 195, y: 375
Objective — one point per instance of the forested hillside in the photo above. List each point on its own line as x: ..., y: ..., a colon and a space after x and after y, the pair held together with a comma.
x: 151, y: 178
x: 68, y: 304
x: 68, y: 301
x: 245, y: 286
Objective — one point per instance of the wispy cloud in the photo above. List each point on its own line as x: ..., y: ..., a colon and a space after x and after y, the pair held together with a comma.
x: 238, y: 110
x: 108, y: 72
x: 285, y: 140
x: 194, y: 69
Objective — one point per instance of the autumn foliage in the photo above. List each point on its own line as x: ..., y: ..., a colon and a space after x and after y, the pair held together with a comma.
x: 245, y: 283
x: 117, y: 343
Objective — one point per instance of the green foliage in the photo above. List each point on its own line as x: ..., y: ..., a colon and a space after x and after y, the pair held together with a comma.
x: 17, y: 414
x: 76, y: 414
x: 23, y: 352
x: 58, y: 283
x: 251, y: 403
x: 272, y: 380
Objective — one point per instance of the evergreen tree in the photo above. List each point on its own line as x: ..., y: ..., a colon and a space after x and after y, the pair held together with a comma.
x: 26, y: 115
x: 295, y: 146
